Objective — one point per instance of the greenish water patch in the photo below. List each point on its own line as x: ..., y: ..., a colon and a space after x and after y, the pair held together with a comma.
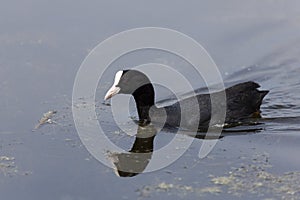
x: 8, y: 167
x: 254, y: 178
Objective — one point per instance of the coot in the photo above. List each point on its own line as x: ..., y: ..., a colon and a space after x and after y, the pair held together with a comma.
x: 242, y: 102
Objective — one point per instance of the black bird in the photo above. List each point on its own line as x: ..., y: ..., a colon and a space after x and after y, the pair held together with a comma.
x: 242, y: 102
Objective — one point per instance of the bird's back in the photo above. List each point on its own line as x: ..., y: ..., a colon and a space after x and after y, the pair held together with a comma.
x: 242, y: 101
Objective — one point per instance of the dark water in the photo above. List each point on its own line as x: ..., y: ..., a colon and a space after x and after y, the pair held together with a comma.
x: 42, y: 44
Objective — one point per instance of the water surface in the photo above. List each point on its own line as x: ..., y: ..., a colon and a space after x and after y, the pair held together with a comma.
x: 42, y: 44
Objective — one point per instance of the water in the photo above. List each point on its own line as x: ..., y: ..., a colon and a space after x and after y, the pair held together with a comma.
x: 42, y: 46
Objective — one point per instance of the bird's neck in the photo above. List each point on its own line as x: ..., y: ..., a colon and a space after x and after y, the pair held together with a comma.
x: 144, y: 99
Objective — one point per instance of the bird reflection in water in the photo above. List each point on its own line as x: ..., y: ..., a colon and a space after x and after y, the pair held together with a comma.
x: 136, y: 160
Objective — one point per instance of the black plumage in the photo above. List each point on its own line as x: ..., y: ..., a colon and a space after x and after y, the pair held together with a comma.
x: 243, y: 101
